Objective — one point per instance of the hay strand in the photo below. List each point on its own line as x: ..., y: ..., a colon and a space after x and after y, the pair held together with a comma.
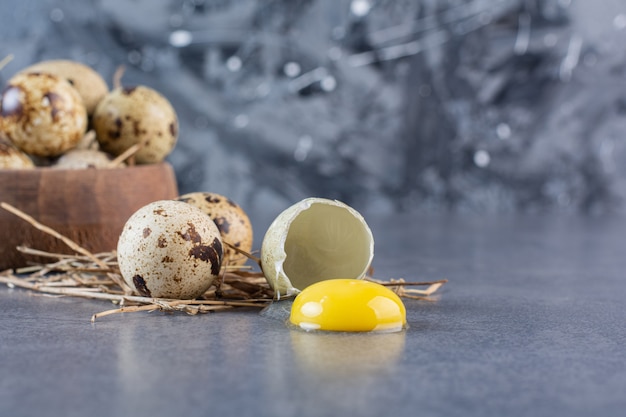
x: 69, y: 242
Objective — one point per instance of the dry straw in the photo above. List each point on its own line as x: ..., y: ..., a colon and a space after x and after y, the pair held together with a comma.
x: 97, y: 276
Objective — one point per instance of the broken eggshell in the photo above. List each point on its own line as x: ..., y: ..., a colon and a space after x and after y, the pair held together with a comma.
x: 169, y: 249
x: 315, y: 239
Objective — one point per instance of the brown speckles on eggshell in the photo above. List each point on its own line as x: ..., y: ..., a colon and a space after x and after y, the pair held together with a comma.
x: 136, y: 127
x: 147, y: 116
x: 55, y: 101
x: 222, y: 224
x: 114, y: 134
x: 191, y: 234
x: 116, y: 131
x: 204, y: 253
x: 146, y: 232
x: 231, y: 220
x: 43, y: 114
x: 212, y: 253
x: 219, y: 248
x: 140, y: 286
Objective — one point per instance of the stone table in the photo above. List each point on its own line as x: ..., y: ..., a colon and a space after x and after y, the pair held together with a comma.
x: 531, y: 323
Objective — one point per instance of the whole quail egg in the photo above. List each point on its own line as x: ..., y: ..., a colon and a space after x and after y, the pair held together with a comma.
x: 231, y: 220
x: 136, y: 115
x: 89, y: 84
x: 42, y: 114
x: 13, y: 158
x: 83, y: 158
x: 169, y: 249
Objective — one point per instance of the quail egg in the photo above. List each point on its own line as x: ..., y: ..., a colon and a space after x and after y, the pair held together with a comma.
x: 170, y: 249
x: 13, y: 158
x: 231, y: 220
x: 83, y: 158
x: 42, y: 114
x: 136, y: 115
x: 89, y: 84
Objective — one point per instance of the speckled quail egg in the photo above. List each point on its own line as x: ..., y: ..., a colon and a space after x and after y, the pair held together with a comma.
x: 169, y: 249
x: 42, y: 114
x: 13, y: 158
x: 89, y: 84
x: 315, y: 239
x: 231, y: 220
x: 136, y: 115
x: 83, y: 158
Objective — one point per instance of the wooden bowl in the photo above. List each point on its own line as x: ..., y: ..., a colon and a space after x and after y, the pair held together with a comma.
x: 89, y: 206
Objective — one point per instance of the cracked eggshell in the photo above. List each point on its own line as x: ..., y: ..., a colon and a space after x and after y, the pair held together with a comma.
x: 136, y: 115
x: 314, y: 240
x: 169, y: 249
x: 232, y: 222
x: 42, y: 114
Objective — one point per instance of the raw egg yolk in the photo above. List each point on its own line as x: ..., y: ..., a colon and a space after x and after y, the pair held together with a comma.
x: 348, y: 305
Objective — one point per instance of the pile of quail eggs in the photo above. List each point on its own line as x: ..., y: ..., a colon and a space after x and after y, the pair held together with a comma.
x: 47, y: 110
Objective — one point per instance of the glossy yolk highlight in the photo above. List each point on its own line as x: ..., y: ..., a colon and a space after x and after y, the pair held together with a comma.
x: 348, y: 305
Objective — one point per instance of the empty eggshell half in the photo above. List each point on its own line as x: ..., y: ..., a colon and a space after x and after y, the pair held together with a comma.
x: 169, y: 249
x: 314, y: 240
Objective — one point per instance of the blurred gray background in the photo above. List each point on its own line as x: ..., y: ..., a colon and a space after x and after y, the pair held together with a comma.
x: 389, y: 105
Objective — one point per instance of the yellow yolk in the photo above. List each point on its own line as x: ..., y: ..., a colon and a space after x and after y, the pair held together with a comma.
x: 348, y: 305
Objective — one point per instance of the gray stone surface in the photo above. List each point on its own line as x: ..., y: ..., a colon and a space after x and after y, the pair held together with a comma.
x: 530, y: 324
